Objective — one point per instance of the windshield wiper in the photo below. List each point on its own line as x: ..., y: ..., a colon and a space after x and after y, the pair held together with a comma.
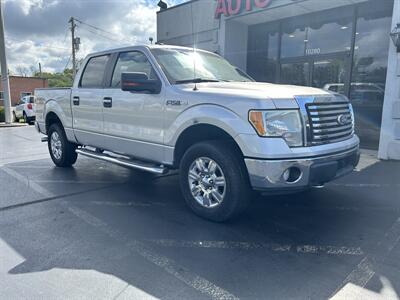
x: 195, y: 80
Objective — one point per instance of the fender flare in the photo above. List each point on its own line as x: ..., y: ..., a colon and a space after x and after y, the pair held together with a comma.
x: 209, y: 114
x: 52, y: 106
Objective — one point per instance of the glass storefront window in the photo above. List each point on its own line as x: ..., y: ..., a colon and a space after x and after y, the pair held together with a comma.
x: 317, y: 37
x: 263, y: 54
x: 294, y: 43
x: 369, y: 70
x: 316, y: 50
x: 330, y: 74
x: 295, y: 73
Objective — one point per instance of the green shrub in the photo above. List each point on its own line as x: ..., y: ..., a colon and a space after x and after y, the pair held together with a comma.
x: 2, y: 118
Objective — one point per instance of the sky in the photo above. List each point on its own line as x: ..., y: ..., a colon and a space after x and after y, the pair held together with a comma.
x: 38, y: 30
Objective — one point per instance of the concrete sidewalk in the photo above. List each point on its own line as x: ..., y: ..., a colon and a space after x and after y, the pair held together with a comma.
x: 5, y: 125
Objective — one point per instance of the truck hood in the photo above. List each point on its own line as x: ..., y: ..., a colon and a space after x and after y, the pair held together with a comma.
x: 255, y: 90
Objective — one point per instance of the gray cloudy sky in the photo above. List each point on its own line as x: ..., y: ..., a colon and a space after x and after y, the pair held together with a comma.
x: 38, y: 30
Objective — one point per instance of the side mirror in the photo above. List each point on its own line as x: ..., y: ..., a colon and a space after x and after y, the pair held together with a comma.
x: 139, y: 82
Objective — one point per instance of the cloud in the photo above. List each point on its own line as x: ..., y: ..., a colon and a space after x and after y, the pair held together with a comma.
x: 38, y: 30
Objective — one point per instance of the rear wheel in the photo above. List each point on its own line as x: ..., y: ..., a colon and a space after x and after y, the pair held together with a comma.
x: 26, y: 120
x: 214, y: 181
x: 62, y: 152
x: 15, y: 119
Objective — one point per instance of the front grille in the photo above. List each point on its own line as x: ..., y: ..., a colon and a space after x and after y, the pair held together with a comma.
x: 329, y: 122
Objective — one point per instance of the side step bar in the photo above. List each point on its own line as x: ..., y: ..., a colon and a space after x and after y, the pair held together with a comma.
x: 124, y: 162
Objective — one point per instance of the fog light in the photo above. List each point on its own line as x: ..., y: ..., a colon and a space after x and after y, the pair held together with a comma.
x: 286, y: 175
x: 292, y: 175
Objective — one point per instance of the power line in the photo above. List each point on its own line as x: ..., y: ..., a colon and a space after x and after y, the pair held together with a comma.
x: 101, y: 35
x: 101, y: 30
x: 94, y: 27
x: 66, y: 65
x: 65, y: 36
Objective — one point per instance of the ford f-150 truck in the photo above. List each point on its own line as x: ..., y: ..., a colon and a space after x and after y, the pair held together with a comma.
x: 159, y: 108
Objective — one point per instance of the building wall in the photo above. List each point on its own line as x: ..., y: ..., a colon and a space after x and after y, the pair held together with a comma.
x: 20, y: 85
x: 228, y: 35
x: 235, y: 48
x: 389, y: 147
x: 176, y: 27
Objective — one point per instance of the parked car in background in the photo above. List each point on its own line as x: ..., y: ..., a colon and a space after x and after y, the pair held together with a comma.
x: 25, y: 109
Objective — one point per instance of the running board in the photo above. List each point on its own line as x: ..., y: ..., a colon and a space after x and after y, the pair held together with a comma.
x: 124, y: 162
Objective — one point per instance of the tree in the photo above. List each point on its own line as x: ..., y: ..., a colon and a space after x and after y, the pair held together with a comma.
x: 60, y: 79
x: 22, y: 71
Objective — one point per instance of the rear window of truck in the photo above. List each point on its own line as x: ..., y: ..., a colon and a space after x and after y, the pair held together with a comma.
x: 93, y: 73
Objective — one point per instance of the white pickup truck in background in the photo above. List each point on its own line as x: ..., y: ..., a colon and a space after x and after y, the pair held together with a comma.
x: 25, y: 109
x: 148, y: 108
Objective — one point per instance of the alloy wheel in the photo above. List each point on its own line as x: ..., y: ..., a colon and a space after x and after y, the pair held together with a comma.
x: 207, y: 182
x: 55, y: 145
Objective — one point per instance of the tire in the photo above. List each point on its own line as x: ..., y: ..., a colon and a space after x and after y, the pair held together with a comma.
x: 15, y: 119
x: 26, y: 120
x: 233, y: 197
x: 62, y: 152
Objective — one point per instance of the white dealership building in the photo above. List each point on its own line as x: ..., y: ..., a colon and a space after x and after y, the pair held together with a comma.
x: 340, y: 45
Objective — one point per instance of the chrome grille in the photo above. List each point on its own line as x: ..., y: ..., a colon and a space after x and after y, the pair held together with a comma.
x: 330, y: 122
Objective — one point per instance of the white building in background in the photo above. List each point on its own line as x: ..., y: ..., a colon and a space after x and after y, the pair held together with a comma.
x: 340, y: 45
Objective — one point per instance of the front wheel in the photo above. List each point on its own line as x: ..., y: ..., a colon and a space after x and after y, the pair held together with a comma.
x: 214, y: 181
x: 62, y: 152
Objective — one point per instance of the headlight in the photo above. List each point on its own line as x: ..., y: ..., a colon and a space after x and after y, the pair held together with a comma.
x: 278, y: 123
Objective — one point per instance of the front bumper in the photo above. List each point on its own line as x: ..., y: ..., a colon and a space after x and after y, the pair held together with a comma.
x: 268, y: 175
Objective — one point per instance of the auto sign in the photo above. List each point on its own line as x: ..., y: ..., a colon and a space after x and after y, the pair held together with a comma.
x: 230, y: 7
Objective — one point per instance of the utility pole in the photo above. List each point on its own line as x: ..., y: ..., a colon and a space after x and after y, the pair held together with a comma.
x: 40, y: 69
x: 4, y: 71
x: 73, y: 26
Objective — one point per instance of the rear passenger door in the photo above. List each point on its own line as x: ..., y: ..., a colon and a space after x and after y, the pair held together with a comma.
x: 133, y: 121
x: 87, y: 102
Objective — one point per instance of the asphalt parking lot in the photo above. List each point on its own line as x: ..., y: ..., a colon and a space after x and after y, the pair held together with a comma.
x: 98, y: 231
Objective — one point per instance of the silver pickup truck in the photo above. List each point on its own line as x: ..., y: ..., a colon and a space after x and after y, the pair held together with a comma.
x: 159, y: 108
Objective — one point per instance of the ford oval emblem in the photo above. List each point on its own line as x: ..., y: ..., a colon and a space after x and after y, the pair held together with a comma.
x: 343, y: 119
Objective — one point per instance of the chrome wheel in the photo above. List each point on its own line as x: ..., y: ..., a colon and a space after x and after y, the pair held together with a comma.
x: 55, y: 145
x: 207, y: 182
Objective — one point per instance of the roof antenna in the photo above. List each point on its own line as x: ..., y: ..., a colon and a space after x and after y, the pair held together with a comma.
x: 194, y: 49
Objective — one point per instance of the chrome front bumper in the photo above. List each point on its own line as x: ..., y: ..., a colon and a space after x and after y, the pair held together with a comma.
x: 268, y: 175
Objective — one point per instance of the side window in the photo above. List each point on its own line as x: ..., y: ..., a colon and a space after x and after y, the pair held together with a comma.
x: 333, y: 88
x: 93, y: 74
x: 24, y: 94
x: 131, y: 62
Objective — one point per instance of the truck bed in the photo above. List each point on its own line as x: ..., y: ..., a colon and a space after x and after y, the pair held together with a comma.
x: 49, y: 99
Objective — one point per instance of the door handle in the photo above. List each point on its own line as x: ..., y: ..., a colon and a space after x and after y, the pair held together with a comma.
x: 75, y: 100
x: 107, y: 102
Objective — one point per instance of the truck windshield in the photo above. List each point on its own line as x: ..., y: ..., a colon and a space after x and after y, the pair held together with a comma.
x: 178, y: 66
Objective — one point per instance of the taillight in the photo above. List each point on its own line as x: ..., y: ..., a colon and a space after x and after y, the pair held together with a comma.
x: 29, y: 105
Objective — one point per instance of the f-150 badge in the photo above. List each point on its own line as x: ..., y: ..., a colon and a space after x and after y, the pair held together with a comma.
x: 176, y: 102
